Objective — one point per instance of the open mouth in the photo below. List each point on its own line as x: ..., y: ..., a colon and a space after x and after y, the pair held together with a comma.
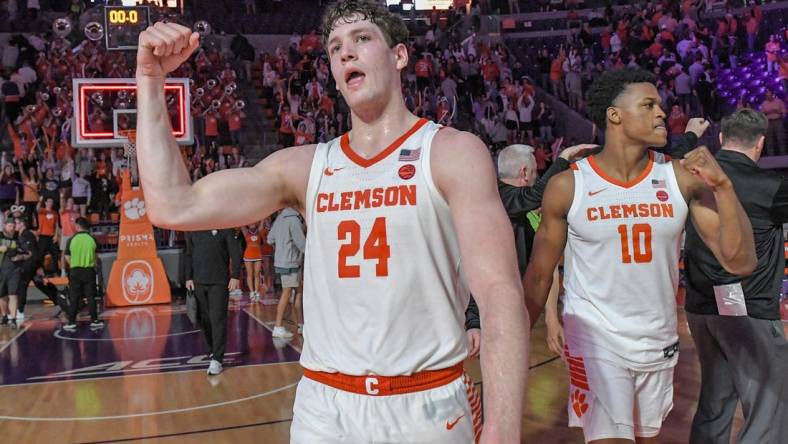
x: 354, y: 77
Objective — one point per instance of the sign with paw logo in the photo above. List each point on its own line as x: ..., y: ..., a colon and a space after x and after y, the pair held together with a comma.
x: 137, y: 276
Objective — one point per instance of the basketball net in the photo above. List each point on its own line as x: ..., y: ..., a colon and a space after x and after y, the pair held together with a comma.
x: 129, y: 145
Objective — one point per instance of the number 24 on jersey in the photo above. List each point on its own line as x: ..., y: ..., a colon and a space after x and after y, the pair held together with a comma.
x: 376, y: 247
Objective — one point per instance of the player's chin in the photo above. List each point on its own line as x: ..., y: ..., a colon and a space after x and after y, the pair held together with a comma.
x: 658, y: 139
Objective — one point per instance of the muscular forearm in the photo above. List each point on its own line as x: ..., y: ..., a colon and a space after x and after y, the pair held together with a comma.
x: 735, y: 238
x: 537, y: 288
x: 162, y: 173
x: 504, y: 363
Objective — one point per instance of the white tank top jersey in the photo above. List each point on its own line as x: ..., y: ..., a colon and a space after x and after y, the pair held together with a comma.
x: 621, y: 265
x: 383, y: 291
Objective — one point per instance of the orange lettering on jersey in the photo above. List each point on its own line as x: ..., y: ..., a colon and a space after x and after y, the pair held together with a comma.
x: 362, y: 199
x: 667, y: 210
x: 630, y: 210
x: 346, y: 205
x: 377, y: 197
x: 407, y: 195
x: 402, y: 195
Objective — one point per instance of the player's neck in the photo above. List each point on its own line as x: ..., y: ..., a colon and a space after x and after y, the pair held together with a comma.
x: 372, y: 130
x: 622, y: 159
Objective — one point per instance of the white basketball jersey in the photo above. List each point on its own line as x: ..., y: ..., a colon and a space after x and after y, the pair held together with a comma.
x: 382, y: 287
x: 621, y: 265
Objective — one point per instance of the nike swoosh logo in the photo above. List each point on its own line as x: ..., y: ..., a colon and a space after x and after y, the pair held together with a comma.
x: 594, y: 193
x: 450, y: 425
x: 330, y: 172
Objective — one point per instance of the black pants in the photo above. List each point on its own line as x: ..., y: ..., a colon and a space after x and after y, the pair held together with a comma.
x: 745, y: 360
x: 81, y: 283
x: 27, y: 273
x: 46, y: 244
x: 212, y: 303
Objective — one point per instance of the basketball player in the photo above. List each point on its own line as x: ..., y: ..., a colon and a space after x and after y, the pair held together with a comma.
x: 620, y: 215
x: 391, y: 207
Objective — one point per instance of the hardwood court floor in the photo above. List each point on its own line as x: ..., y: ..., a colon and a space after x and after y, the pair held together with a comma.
x: 142, y: 379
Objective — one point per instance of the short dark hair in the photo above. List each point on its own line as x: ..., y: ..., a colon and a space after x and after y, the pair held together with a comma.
x: 82, y: 223
x: 391, y: 25
x: 20, y: 220
x: 606, y: 89
x: 744, y: 126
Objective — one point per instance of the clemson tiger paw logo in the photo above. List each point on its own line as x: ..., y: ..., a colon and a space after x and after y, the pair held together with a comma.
x: 134, y: 208
x: 579, y: 403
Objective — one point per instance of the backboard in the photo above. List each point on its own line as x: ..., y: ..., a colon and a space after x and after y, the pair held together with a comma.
x: 103, y: 108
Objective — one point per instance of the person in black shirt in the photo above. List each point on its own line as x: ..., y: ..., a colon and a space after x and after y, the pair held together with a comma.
x: 735, y: 322
x: 207, y: 256
x: 27, y: 268
x: 10, y: 271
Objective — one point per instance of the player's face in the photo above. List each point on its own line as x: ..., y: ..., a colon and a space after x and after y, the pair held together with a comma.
x: 365, y: 68
x: 642, y: 117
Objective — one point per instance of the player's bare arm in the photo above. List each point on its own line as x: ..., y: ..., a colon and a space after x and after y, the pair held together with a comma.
x: 716, y: 211
x: 549, y: 243
x: 223, y: 199
x: 465, y: 176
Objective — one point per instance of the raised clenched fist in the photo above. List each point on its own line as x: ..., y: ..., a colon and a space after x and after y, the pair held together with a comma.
x: 702, y: 163
x: 163, y: 47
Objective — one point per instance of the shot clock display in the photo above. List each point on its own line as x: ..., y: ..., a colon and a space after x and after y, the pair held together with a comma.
x: 123, y: 25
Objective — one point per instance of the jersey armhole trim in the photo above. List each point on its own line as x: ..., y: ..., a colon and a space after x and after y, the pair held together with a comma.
x: 315, y: 170
x: 577, y: 196
x: 426, y: 166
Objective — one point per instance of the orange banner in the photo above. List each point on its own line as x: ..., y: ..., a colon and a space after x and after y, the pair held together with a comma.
x: 137, y: 276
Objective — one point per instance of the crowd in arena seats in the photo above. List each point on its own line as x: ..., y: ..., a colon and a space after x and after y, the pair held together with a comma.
x: 688, y: 53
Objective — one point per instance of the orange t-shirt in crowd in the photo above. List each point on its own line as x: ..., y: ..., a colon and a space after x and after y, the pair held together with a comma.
x: 677, y: 125
x: 556, y: 69
x: 423, y: 68
x: 68, y: 222
x: 235, y: 122
x: 211, y: 126
x: 47, y: 222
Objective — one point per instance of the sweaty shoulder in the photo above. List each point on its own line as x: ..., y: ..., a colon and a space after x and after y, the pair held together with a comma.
x: 559, y: 193
x: 457, y: 157
x: 291, y: 166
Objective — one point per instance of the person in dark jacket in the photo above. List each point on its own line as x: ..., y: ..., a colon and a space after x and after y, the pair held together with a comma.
x: 213, y: 269
x: 734, y: 321
x: 27, y: 242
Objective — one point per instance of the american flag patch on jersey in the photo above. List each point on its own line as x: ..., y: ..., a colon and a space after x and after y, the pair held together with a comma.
x: 658, y: 183
x: 409, y: 155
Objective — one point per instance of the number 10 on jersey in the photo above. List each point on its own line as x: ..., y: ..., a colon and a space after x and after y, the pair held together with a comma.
x: 640, y: 251
x: 376, y: 247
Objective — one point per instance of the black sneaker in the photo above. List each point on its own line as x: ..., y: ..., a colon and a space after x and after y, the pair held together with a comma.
x: 4, y: 321
x: 13, y: 324
x: 96, y: 323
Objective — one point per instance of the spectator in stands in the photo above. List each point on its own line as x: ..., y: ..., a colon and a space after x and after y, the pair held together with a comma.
x: 772, y: 52
x: 81, y: 191
x: 683, y: 84
x: 774, y: 109
x: 9, y: 192
x: 68, y: 228
x: 30, y: 187
x: 752, y: 30
x: 677, y: 121
x: 47, y: 228
x: 546, y: 120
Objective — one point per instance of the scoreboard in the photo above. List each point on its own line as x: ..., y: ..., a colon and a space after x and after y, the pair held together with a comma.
x: 123, y: 25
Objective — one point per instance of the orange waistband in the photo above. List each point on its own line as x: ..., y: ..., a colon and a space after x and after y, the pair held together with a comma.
x: 387, y: 385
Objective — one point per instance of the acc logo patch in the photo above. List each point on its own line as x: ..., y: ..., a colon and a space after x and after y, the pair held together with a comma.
x: 407, y: 171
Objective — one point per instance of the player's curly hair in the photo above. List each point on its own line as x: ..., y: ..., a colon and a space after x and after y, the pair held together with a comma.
x: 606, y: 89
x: 391, y: 25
